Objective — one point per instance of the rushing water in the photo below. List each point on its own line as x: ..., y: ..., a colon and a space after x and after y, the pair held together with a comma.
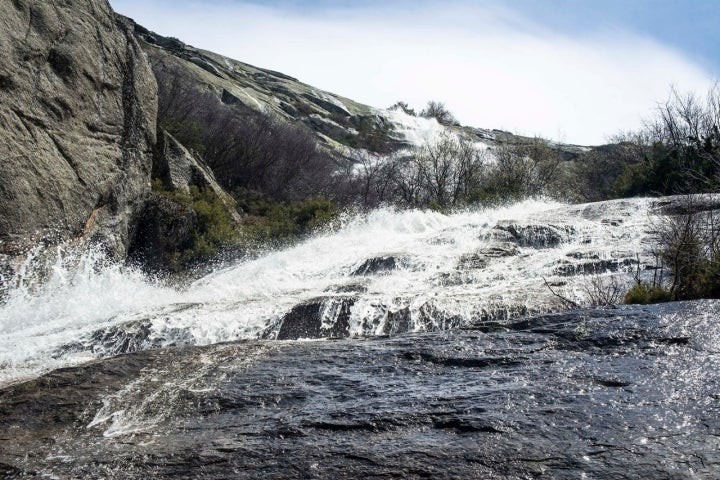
x: 440, y: 271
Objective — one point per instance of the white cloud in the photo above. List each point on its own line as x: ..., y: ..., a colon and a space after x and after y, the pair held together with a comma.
x: 492, y: 68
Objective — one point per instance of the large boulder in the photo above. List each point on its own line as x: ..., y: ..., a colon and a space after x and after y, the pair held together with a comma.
x: 317, y: 318
x: 78, y: 108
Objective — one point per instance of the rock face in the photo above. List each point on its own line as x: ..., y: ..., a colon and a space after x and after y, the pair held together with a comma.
x: 179, y: 169
x: 319, y: 318
x: 164, y: 226
x: 78, y: 107
x: 616, y: 393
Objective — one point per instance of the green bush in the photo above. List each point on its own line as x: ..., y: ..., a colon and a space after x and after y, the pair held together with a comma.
x: 278, y: 223
x: 214, y: 228
x: 642, y: 295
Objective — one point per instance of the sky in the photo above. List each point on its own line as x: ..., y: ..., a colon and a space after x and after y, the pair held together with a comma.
x: 577, y: 71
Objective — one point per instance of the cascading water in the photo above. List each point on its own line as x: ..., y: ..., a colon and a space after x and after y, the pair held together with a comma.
x: 385, y: 272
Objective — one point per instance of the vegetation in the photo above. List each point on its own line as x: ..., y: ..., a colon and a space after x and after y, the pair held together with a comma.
x: 642, y: 294
x: 403, y: 107
x: 275, y: 223
x: 372, y: 134
x: 439, y: 112
x: 247, y: 150
x: 677, y: 153
x: 211, y: 230
x: 288, y: 186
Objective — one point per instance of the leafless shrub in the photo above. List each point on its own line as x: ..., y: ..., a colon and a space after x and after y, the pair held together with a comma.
x: 443, y: 173
x: 439, y: 112
x: 689, y: 249
x: 602, y: 291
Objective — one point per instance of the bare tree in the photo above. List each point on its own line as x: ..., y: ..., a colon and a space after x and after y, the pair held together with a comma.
x: 439, y: 111
x: 689, y: 248
x: 602, y: 291
x: 443, y: 172
x: 375, y: 177
x: 523, y: 168
x: 403, y: 107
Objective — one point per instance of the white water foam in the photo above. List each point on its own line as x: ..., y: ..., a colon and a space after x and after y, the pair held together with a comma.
x: 82, y: 294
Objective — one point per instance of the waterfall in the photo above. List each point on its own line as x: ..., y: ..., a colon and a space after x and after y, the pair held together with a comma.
x: 385, y: 272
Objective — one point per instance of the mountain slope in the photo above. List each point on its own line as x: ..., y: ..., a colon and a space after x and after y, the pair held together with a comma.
x: 340, y: 123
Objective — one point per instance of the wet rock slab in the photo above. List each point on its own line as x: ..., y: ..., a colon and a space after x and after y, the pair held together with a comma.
x: 620, y: 393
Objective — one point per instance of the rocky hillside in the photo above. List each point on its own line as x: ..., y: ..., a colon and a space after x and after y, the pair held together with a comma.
x: 340, y: 123
x: 80, y: 139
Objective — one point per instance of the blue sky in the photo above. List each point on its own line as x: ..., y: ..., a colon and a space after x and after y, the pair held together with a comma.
x: 689, y: 25
x: 572, y: 70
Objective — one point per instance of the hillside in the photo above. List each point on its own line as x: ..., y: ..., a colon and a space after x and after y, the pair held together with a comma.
x: 83, y: 139
x: 340, y: 123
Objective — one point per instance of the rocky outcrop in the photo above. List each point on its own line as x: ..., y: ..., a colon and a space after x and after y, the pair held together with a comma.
x: 378, y: 265
x: 78, y: 106
x: 318, y: 318
x: 536, y: 235
x: 179, y: 169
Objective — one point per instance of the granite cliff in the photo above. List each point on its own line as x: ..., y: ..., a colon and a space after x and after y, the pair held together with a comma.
x: 78, y: 105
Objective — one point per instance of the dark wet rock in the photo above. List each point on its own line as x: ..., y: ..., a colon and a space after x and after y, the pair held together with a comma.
x: 594, y: 266
x: 165, y: 226
x: 499, y: 236
x: 583, y: 255
x: 120, y: 339
x: 78, y: 106
x: 319, y: 318
x: 499, y: 250
x: 348, y: 288
x: 613, y: 222
x: 129, y: 337
x: 687, y: 205
x: 482, y: 362
x: 537, y: 235
x: 449, y: 279
x: 594, y: 393
x: 472, y: 261
x: 481, y: 258
x: 399, y: 321
x: 431, y: 318
x: 503, y: 312
x: 8, y: 471
x: 378, y: 265
x: 612, y: 383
